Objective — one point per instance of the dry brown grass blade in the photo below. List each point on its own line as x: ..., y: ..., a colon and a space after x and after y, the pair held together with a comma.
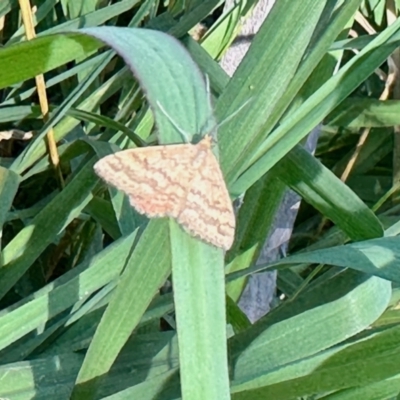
x: 2, y: 19
x: 391, y: 88
x: 391, y: 78
x: 27, y: 18
x: 391, y: 15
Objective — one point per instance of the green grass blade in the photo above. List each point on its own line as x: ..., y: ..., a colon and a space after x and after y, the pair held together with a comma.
x: 37, y: 148
x: 95, y: 18
x: 34, y: 311
x: 19, y: 380
x: 9, y: 182
x: 254, y: 222
x: 181, y: 91
x: 149, y: 265
x: 40, y: 55
x: 29, y: 243
x: 199, y: 294
x: 316, y: 320
x: 377, y: 257
x: 365, y: 113
x: 356, y: 365
x: 386, y: 389
x: 328, y: 194
x: 262, y: 77
x: 296, y: 126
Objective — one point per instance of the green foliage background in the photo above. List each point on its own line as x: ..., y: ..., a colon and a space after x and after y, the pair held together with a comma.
x: 80, y: 275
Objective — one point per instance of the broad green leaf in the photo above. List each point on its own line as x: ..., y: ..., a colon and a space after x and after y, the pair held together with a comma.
x: 176, y: 80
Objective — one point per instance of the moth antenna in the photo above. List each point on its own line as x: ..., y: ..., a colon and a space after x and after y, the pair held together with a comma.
x: 228, y: 118
x: 208, y: 90
x: 212, y: 130
x: 216, y: 126
x: 185, y: 135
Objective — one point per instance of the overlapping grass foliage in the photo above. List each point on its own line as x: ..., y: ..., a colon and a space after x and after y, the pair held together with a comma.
x: 81, y: 271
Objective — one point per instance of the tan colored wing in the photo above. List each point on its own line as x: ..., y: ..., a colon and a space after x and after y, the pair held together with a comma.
x: 181, y: 181
x: 154, y: 178
x: 208, y: 211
